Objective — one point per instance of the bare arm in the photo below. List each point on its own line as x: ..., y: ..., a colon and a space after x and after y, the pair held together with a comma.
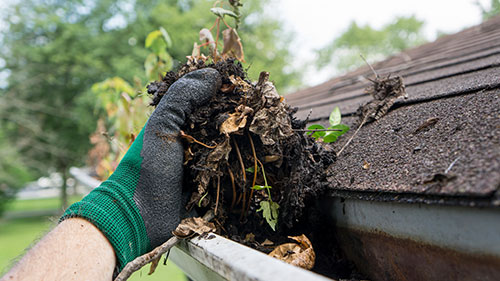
x: 74, y: 250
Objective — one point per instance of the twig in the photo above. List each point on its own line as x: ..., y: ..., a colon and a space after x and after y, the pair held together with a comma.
x: 217, y: 198
x: 317, y: 130
x: 233, y: 185
x: 244, y: 176
x: 155, y: 254
x: 371, y: 67
x: 352, y: 137
x: 255, y: 168
x: 451, y: 165
x: 141, y: 261
x: 190, y: 138
x: 240, y: 159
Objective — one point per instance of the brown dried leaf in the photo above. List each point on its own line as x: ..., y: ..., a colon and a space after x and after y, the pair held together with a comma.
x: 385, y: 92
x: 236, y: 120
x: 250, y: 237
x: 240, y: 83
x: 191, y: 226
x: 272, y: 122
x: 366, y: 165
x: 233, y: 124
x: 301, y: 254
x: 196, y: 50
x: 267, y: 242
x: 206, y: 37
x: 227, y: 88
x: 154, y: 265
x: 232, y: 44
x: 221, y: 151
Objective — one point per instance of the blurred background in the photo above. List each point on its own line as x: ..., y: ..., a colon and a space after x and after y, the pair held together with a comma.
x: 73, y: 75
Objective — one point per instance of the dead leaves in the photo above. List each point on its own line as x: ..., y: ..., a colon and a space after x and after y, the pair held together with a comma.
x: 385, y: 92
x: 300, y: 254
x: 272, y: 122
x: 191, y: 226
x: 236, y: 120
x: 232, y: 44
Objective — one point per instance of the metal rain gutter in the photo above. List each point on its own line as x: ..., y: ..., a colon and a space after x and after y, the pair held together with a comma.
x: 397, y: 241
x: 217, y: 258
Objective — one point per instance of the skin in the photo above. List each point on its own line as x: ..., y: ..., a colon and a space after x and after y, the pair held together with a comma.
x: 74, y: 250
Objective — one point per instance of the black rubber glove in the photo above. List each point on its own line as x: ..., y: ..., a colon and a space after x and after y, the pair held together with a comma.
x: 140, y: 204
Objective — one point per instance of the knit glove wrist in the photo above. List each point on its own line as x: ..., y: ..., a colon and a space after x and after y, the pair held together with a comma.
x: 139, y: 205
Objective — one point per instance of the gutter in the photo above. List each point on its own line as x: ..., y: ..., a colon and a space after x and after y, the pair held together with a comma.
x: 216, y: 258
x: 397, y: 241
x: 386, y: 241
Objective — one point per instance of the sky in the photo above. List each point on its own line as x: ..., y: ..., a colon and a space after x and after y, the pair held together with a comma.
x: 315, y: 23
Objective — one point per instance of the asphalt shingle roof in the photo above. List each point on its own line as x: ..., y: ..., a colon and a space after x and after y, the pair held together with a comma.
x: 455, y: 83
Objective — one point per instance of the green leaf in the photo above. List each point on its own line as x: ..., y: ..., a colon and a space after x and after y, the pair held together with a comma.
x: 221, y: 12
x: 251, y: 169
x: 166, y: 37
x: 335, y: 116
x: 316, y: 135
x: 270, y: 212
x: 152, y: 36
x: 261, y: 187
x: 333, y: 135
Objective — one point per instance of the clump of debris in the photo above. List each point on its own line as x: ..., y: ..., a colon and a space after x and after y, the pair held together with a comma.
x: 246, y: 156
x: 248, y: 159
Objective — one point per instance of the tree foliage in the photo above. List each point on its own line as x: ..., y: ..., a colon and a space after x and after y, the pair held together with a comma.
x: 53, y: 51
x: 375, y: 44
x: 491, y: 11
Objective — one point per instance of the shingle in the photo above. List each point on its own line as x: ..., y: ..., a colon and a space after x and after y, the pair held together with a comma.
x: 454, y: 80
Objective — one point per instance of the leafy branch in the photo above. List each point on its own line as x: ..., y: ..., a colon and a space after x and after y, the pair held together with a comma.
x: 269, y: 208
x: 232, y: 42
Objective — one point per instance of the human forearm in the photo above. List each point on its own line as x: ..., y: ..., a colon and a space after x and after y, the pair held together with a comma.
x: 74, y: 250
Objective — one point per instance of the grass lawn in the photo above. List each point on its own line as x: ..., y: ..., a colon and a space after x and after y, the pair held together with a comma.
x: 39, y: 204
x: 18, y: 234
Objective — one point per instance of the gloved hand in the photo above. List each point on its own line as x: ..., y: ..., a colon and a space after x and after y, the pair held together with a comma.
x: 140, y: 204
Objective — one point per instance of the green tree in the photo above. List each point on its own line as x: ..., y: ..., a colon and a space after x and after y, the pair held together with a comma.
x: 375, y: 44
x: 53, y: 51
x: 491, y: 11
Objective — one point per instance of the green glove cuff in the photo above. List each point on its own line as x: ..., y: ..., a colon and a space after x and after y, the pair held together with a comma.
x: 112, y: 209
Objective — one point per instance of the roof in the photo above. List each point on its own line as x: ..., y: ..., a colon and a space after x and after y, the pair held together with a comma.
x: 442, y: 143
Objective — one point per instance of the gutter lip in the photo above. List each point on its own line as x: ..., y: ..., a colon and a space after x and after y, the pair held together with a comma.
x: 233, y: 261
x: 491, y: 200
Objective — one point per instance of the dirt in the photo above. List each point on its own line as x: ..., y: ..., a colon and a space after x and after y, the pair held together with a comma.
x: 243, y: 120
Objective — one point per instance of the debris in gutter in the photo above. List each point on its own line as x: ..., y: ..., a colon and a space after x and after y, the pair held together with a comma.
x: 299, y: 254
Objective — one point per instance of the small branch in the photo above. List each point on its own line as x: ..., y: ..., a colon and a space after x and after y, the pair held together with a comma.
x: 192, y: 139
x: 155, y: 254
x: 255, y: 168
x: 451, y: 165
x: 317, y: 130
x: 371, y: 67
x: 352, y: 137
x: 218, y: 192
x: 240, y: 159
x: 141, y: 261
x: 233, y: 186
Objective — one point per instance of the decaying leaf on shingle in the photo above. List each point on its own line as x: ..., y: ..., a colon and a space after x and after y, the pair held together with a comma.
x: 300, y: 254
x: 385, y: 92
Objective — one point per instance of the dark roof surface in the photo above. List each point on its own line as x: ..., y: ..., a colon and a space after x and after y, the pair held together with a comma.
x: 453, y: 84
